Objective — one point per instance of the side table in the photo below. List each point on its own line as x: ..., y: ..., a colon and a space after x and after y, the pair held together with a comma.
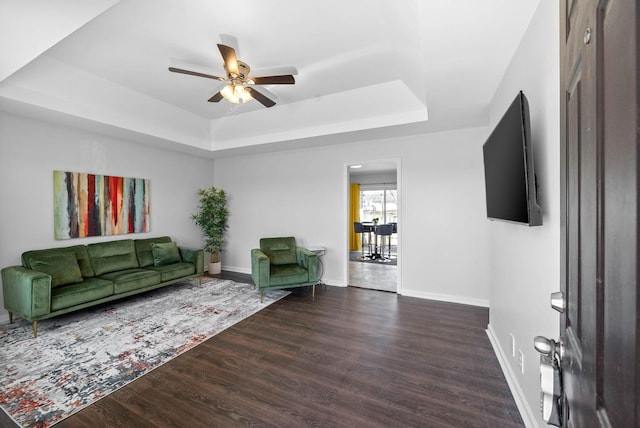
x: 320, y: 251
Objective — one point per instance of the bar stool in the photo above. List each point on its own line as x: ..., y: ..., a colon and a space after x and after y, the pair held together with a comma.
x: 395, y: 230
x: 359, y: 228
x: 384, y: 230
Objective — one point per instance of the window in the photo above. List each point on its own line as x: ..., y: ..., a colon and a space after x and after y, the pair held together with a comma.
x: 381, y: 204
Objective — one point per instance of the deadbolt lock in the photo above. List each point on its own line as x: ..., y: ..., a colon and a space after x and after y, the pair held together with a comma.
x: 557, y: 301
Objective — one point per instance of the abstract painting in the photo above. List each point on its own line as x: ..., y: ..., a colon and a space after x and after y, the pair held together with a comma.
x: 99, y: 205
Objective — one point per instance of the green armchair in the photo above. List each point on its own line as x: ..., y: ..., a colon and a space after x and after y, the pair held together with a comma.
x: 279, y: 263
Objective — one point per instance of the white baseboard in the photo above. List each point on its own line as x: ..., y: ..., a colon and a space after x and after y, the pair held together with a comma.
x: 236, y: 269
x: 527, y: 414
x: 409, y: 293
x: 336, y: 283
x: 446, y: 298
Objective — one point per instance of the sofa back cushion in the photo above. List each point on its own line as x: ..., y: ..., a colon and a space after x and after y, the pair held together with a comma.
x: 281, y: 251
x: 143, y: 249
x: 112, y: 256
x: 83, y: 260
x: 62, y: 266
x: 80, y: 251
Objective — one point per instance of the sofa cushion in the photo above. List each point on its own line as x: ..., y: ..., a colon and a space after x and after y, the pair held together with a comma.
x: 288, y: 274
x: 79, y: 250
x: 112, y: 256
x: 74, y: 294
x: 132, y: 279
x: 83, y: 260
x: 174, y: 271
x: 62, y: 266
x: 281, y: 251
x: 143, y: 249
x: 166, y: 253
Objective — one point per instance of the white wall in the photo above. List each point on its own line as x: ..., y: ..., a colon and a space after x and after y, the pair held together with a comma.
x: 30, y: 150
x: 525, y: 262
x: 442, y: 223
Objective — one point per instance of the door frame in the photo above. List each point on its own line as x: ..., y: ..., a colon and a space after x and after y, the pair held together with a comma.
x: 345, y: 210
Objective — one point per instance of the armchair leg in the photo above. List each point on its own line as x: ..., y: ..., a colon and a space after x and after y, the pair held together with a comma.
x: 261, y: 295
x: 313, y: 290
x: 10, y: 317
x: 35, y: 329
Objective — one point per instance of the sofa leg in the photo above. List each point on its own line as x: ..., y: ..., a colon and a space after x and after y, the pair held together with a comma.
x: 261, y: 295
x: 35, y: 329
x: 313, y: 290
x: 10, y: 317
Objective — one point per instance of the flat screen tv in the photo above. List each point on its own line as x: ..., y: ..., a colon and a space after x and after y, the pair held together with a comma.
x: 509, y: 175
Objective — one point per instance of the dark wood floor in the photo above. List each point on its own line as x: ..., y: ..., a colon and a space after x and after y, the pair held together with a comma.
x: 348, y: 358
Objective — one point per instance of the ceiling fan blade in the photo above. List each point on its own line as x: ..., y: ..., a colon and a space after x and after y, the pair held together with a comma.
x: 267, y: 102
x: 195, y: 73
x: 216, y: 98
x: 264, y: 91
x: 274, y: 80
x: 230, y: 60
x: 232, y: 42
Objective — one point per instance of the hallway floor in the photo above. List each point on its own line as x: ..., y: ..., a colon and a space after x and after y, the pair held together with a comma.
x: 373, y: 276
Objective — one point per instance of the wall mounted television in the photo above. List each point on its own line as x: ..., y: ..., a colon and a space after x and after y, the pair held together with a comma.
x: 509, y: 175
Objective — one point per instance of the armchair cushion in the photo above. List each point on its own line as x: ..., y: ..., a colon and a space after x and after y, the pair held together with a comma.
x: 288, y: 274
x: 281, y: 251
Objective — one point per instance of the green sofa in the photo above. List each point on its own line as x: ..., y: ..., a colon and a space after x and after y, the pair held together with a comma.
x: 280, y: 263
x: 56, y: 281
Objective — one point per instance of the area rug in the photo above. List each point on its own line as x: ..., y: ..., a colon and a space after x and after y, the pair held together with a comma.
x: 81, y: 357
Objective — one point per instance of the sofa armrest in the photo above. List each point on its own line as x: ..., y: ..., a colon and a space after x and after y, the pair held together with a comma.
x: 260, y: 268
x: 195, y: 256
x: 26, y: 292
x: 308, y: 260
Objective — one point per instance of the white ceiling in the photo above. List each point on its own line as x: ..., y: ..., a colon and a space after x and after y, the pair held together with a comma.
x: 364, y: 67
x: 358, y: 170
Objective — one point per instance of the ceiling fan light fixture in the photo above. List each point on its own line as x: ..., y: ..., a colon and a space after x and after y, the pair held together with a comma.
x: 239, y: 88
x: 236, y: 93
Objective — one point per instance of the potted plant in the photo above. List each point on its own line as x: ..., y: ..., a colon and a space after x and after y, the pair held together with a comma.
x: 212, y: 218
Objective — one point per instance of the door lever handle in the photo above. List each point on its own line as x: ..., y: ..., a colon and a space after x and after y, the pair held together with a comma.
x: 545, y: 346
x: 549, y: 347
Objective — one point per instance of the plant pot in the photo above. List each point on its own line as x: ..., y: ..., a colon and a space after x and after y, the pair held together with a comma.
x: 215, y: 267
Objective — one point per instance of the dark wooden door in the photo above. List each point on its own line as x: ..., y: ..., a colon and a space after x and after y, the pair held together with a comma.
x: 599, y: 173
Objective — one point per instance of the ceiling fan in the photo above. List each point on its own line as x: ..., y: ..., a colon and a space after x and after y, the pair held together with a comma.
x: 240, y: 87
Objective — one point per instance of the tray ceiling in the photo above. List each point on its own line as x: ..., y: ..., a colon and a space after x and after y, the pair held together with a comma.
x: 361, y: 65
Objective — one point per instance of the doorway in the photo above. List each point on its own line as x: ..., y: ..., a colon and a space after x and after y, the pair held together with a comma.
x: 374, y: 203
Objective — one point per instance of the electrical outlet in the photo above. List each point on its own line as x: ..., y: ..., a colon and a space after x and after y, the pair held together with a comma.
x: 513, y: 345
x: 521, y: 361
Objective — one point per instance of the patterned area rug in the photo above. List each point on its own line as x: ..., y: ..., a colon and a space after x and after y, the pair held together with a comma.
x: 81, y: 357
